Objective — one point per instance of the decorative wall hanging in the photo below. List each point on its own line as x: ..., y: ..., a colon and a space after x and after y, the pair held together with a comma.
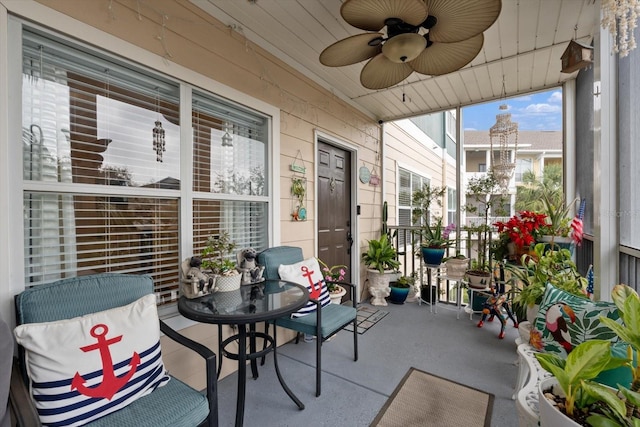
x: 620, y: 18
x: 365, y: 174
x: 374, y: 181
x: 300, y: 168
x: 298, y: 189
x: 299, y: 192
x: 505, y: 134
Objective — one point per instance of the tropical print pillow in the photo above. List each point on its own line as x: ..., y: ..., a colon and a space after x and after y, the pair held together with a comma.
x: 566, y: 320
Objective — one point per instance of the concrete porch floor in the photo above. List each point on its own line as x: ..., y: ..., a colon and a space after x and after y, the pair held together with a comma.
x: 353, y: 392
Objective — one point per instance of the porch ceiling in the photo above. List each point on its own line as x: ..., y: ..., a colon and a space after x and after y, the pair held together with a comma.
x: 524, y: 45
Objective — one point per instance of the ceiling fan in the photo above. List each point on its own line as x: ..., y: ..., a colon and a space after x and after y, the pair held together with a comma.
x: 431, y: 37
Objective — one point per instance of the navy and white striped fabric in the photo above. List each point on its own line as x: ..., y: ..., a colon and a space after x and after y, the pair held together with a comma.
x: 307, y: 273
x: 65, y: 362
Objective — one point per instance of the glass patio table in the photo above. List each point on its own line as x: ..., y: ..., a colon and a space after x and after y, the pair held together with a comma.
x: 259, y: 302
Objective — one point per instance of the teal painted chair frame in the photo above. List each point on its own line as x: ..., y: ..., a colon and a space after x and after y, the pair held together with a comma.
x: 326, y: 321
x: 174, y: 404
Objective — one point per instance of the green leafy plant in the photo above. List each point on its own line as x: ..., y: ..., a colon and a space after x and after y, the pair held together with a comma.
x: 215, y: 255
x: 381, y: 255
x: 600, y: 405
x: 585, y: 362
x: 437, y: 236
x: 545, y: 266
x: 333, y: 274
x: 558, y: 222
x: 485, y: 198
x: 405, y: 281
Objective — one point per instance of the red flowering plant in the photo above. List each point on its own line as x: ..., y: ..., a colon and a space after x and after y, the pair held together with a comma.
x: 332, y: 274
x: 521, y: 229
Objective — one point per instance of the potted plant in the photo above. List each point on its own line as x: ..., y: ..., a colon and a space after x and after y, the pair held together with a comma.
x: 558, y: 223
x: 400, y: 288
x: 585, y: 400
x: 382, y: 265
x: 484, y: 197
x: 434, y: 240
x: 216, y: 259
x: 456, y: 266
x: 332, y: 275
x: 517, y: 234
x: 546, y: 266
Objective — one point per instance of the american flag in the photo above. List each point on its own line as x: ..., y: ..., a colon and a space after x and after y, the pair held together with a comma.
x: 590, y: 280
x: 576, y: 223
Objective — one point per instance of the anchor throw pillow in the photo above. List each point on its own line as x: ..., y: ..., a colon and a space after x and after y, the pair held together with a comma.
x: 83, y: 368
x: 307, y: 273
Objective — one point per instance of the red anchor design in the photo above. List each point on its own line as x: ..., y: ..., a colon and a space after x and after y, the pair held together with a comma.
x: 315, y: 287
x: 110, y: 383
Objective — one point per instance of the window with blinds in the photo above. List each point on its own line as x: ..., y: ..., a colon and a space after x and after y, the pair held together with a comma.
x: 107, y: 133
x: 408, y: 183
x: 230, y: 155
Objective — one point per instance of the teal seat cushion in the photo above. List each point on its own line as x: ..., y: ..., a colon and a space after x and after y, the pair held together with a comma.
x: 188, y: 409
x: 334, y: 317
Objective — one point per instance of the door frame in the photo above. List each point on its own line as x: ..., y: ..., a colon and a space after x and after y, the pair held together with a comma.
x: 355, y: 229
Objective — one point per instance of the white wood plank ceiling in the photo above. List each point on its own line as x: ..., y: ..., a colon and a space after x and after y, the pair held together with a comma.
x: 523, y: 46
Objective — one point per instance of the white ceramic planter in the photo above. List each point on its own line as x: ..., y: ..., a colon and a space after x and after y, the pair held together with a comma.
x: 478, y: 281
x: 228, y: 283
x: 456, y: 268
x: 379, y: 285
x: 336, y: 297
x: 532, y: 312
x: 550, y: 416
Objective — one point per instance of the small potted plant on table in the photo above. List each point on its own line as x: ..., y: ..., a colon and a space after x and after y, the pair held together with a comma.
x: 216, y: 259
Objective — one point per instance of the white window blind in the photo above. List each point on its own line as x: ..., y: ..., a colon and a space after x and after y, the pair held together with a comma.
x: 230, y: 154
x: 89, y: 120
x: 107, y: 132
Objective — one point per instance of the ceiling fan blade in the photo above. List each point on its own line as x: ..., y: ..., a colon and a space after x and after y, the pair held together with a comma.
x: 370, y: 15
x: 380, y: 73
x: 461, y: 19
x: 351, y: 50
x: 443, y: 58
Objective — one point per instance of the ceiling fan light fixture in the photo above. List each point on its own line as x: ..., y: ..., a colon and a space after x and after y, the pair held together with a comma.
x: 404, y: 47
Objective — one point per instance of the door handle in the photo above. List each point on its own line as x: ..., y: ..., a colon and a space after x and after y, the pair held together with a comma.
x: 349, y: 239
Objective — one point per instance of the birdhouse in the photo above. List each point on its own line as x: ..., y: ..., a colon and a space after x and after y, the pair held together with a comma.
x: 577, y: 55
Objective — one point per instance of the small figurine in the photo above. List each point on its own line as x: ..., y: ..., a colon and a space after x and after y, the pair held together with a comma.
x: 493, y: 307
x: 205, y: 283
x: 247, y: 265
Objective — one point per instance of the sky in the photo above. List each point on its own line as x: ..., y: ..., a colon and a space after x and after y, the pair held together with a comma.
x: 538, y: 111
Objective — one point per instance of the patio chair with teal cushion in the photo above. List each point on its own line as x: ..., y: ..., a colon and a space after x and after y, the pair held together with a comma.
x: 324, y: 321
x: 105, y: 313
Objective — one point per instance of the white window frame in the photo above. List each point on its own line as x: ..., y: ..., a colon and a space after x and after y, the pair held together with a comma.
x: 65, y: 27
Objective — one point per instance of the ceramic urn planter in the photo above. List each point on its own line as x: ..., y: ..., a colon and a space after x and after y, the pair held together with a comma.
x: 379, y: 285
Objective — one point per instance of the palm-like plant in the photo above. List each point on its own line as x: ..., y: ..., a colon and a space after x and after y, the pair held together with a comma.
x: 381, y: 255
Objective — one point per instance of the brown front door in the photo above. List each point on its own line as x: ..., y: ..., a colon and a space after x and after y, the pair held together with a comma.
x: 334, y: 206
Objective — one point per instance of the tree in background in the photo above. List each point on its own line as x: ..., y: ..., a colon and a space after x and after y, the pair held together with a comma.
x: 529, y: 194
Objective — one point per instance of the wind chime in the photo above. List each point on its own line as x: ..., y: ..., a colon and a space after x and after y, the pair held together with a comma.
x: 158, y: 133
x: 504, y: 136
